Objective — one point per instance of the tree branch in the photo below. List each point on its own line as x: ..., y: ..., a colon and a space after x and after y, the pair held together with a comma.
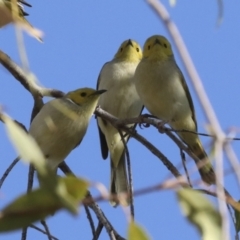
x: 121, y: 124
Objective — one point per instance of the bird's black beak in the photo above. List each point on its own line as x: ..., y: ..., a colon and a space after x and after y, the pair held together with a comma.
x: 98, y: 92
x: 157, y: 41
x: 129, y: 42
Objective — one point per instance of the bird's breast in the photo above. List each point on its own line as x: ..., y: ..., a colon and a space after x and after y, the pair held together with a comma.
x: 56, y: 132
x: 161, y: 91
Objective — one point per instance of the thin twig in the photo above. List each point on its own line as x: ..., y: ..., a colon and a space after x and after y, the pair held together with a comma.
x: 43, y: 222
x: 185, y: 167
x: 38, y: 104
x: 8, y: 170
x: 90, y: 219
x: 30, y: 178
x: 98, y: 231
x: 101, y: 217
x: 65, y: 169
x: 183, y: 130
x: 148, y: 119
x: 40, y: 230
x: 169, y: 184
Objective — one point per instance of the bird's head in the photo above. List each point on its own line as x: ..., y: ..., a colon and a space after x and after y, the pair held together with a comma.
x: 157, y: 47
x: 85, y: 96
x: 129, y: 51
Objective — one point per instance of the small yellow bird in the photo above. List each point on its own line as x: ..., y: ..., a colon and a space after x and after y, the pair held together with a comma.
x: 122, y: 101
x: 163, y: 90
x: 61, y: 124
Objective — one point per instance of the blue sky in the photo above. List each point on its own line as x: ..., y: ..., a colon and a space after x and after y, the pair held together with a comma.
x: 79, y: 39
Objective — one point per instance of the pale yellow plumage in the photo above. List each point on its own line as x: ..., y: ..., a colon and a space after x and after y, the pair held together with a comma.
x: 61, y: 124
x: 163, y: 90
x: 122, y: 101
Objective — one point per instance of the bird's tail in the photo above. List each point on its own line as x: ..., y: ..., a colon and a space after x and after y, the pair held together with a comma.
x: 119, y: 180
x: 204, y: 166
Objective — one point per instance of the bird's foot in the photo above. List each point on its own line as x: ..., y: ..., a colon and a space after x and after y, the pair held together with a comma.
x: 142, y: 124
x: 161, y: 125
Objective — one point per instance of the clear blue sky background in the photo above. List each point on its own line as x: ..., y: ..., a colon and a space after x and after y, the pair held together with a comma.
x: 79, y: 38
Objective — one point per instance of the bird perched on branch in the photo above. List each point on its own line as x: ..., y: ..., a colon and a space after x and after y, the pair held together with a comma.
x: 61, y: 124
x: 164, y: 92
x: 10, y: 13
x: 122, y: 101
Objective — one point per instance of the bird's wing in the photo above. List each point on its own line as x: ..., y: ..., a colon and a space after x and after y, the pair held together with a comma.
x: 103, y: 142
x: 190, y: 101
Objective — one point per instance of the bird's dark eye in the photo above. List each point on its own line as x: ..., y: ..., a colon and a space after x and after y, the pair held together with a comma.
x: 121, y: 49
x: 137, y: 49
x: 148, y: 47
x: 83, y: 94
x: 165, y: 45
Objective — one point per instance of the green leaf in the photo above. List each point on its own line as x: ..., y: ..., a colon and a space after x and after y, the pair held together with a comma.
x: 237, y: 218
x: 135, y: 232
x: 38, y: 204
x: 200, y: 211
x: 71, y: 191
x: 27, y: 209
x: 25, y: 145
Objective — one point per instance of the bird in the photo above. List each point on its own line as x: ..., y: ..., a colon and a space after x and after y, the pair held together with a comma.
x: 122, y: 101
x: 9, y: 14
x: 164, y: 92
x: 61, y: 124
